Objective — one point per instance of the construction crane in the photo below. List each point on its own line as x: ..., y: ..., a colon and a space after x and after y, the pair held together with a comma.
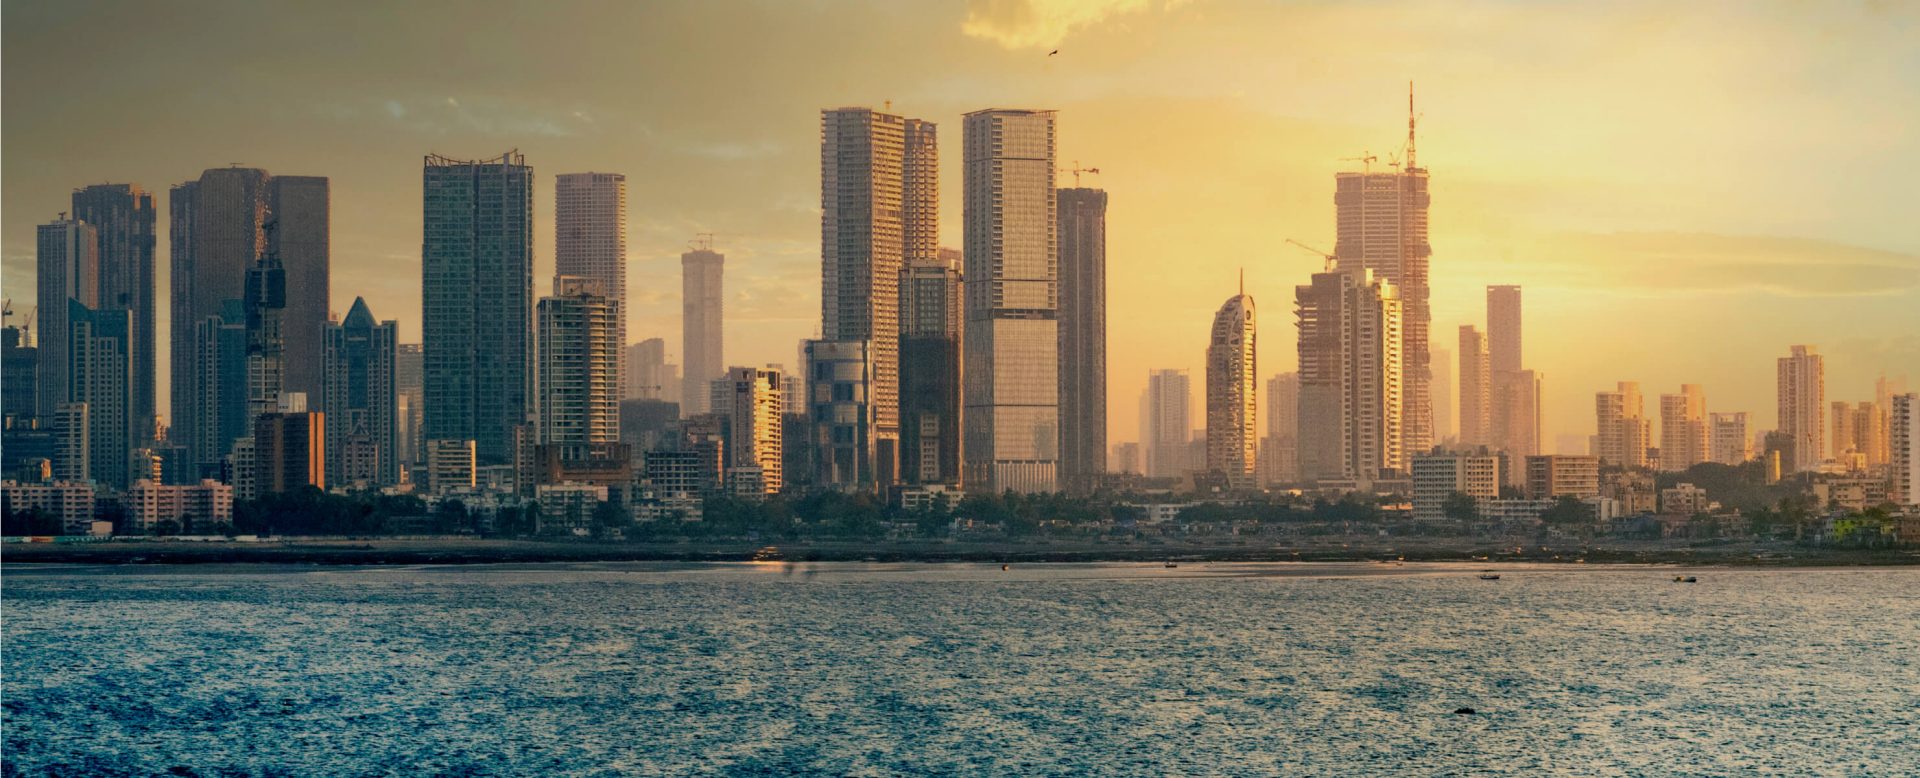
x: 1076, y: 170
x: 1331, y: 261
x: 1366, y: 160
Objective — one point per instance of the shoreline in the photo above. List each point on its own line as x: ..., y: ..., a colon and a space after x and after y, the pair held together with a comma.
x: 458, y: 551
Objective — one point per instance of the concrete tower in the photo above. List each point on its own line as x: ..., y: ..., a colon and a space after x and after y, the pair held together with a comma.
x: 1232, y: 394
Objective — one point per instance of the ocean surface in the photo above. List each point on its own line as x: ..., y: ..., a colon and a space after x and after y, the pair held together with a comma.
x: 872, y: 669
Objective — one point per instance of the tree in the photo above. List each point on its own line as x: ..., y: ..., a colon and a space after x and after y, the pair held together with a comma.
x: 1460, y: 506
x: 1568, y: 511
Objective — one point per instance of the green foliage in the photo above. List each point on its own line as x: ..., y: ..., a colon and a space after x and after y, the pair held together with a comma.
x: 1460, y: 506
x: 1568, y: 511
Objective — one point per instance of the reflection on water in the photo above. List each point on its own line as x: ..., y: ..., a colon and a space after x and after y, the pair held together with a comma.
x: 781, y: 668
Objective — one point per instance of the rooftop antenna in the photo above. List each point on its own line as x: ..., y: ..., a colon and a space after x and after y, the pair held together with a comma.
x: 886, y: 105
x: 1243, y: 282
x: 1410, y: 122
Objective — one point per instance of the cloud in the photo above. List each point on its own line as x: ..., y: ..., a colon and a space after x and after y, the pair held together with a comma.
x: 1017, y: 24
x: 1654, y: 264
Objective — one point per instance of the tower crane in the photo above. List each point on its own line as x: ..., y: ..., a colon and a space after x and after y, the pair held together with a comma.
x: 1076, y: 170
x: 1366, y: 160
x: 1331, y: 261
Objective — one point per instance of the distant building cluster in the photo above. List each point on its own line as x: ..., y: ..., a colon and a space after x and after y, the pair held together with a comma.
x: 936, y: 373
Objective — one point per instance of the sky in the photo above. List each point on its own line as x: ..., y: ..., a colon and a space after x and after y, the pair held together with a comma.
x: 1682, y: 189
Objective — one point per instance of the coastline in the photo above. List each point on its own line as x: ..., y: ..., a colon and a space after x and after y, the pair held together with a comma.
x: 455, y: 551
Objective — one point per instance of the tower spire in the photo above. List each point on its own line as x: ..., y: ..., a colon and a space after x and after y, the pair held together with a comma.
x: 1243, y: 282
x: 1410, y: 121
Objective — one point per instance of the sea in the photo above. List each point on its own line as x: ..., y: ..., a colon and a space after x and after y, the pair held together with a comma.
x: 875, y: 669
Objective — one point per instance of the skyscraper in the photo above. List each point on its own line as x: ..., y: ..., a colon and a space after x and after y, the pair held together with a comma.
x: 1232, y: 394
x: 1732, y: 443
x: 702, y: 350
x: 1476, y: 388
x: 99, y: 374
x: 1166, y: 423
x: 1621, y: 430
x: 362, y: 427
x: 218, y: 409
x: 590, y: 241
x: 223, y: 225
x: 646, y: 376
x: 839, y: 389
x: 1083, y: 336
x: 578, y: 399
x: 67, y: 259
x: 409, y: 386
x: 1684, y: 436
x: 930, y: 413
x: 1350, y: 339
x: 1382, y: 227
x: 299, y: 209
x: 1802, y: 392
x: 289, y: 449
x: 1513, y: 398
x: 1445, y: 404
x: 1281, y: 448
x: 753, y: 406
x: 1012, y: 295
x: 877, y: 172
x: 477, y: 312
x: 123, y: 217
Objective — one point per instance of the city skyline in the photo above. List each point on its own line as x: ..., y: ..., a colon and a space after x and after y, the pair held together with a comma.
x: 1735, y: 255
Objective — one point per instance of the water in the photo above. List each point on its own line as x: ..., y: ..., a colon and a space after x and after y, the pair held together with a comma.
x: 648, y: 669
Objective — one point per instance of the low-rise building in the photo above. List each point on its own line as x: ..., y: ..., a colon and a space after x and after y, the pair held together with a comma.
x: 194, y: 507
x: 1562, y: 475
x: 1685, y: 500
x: 568, y: 508
x: 1438, y: 476
x: 937, y: 496
x: 70, y: 501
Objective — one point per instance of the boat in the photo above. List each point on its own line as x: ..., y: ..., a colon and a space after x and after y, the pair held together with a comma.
x: 1003, y: 567
x: 1172, y: 564
x: 1686, y: 579
x: 1489, y: 576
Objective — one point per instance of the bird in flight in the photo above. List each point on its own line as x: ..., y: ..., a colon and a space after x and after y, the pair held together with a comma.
x: 1051, y: 53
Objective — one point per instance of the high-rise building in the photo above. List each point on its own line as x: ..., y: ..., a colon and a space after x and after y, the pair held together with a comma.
x: 298, y: 237
x: 1350, y: 402
x: 360, y: 402
x: 477, y: 312
x: 289, y: 449
x: 930, y: 411
x: 1012, y: 302
x: 1445, y: 404
x: 839, y: 388
x: 19, y: 378
x: 1622, y: 432
x: 1857, y: 434
x: 99, y: 375
x: 878, y: 171
x: 219, y: 409
x: 409, y: 387
x: 1166, y: 422
x: 1233, y: 394
x: 1731, y: 441
x: 1513, y: 397
x: 1562, y: 475
x: 578, y: 397
x: 1437, y: 477
x: 702, y: 349
x: 123, y: 216
x: 1903, y: 443
x: 647, y: 376
x: 1382, y: 227
x: 1083, y: 336
x: 72, y: 455
x: 1802, y: 391
x: 1283, y: 429
x: 590, y: 241
x: 1476, y: 388
x: 225, y: 226
x: 67, y: 259
x: 1685, y: 439
x: 755, y: 451
x: 266, y: 308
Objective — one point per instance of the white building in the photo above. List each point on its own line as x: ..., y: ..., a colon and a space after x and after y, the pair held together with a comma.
x: 578, y: 352
x: 1904, y: 440
x: 1438, y: 476
x: 70, y: 501
x: 1802, y: 395
x: 204, y: 504
x: 590, y: 241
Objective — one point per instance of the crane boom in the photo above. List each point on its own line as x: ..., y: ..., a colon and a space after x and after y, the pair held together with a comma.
x: 1331, y: 261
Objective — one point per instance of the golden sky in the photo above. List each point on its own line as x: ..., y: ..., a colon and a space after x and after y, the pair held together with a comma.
x: 1683, y: 189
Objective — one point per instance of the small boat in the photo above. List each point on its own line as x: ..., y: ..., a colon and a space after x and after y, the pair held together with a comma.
x: 1489, y: 576
x: 1172, y: 564
x: 1003, y: 567
x: 1686, y: 579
